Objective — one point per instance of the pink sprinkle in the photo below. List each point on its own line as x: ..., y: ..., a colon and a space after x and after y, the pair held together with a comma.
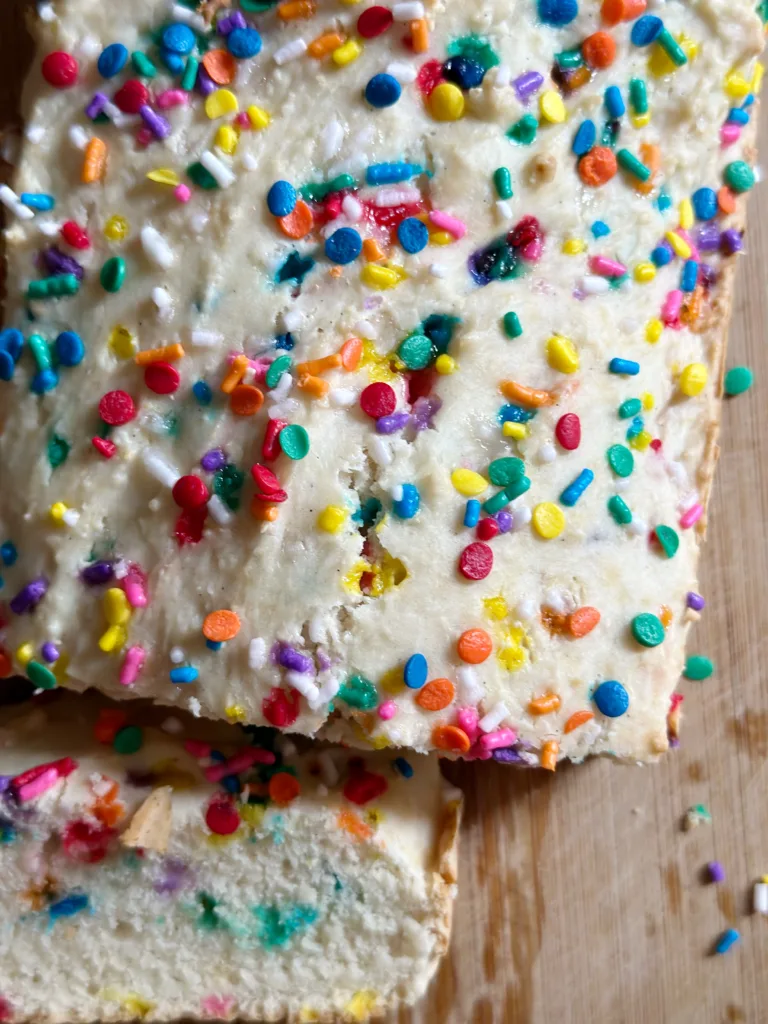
x: 693, y: 515
x: 196, y: 748
x: 135, y: 587
x: 170, y: 98
x: 242, y: 120
x: 133, y: 662
x: 606, y: 267
x: 238, y: 763
x: 533, y: 250
x: 144, y: 136
x: 467, y: 719
x: 500, y: 738
x: 387, y: 710
x: 38, y: 786
x: 183, y: 192
x: 446, y: 222
x: 670, y: 311
x: 729, y: 133
x: 218, y: 1007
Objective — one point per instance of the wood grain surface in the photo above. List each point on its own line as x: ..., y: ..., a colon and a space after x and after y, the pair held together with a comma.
x: 582, y: 901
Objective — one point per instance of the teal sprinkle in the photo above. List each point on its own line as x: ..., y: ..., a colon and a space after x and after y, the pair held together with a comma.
x: 368, y: 513
x: 277, y: 925
x: 209, y: 920
x: 172, y: 424
x: 227, y: 483
x: 515, y: 414
x: 475, y: 48
x: 7, y: 832
x: 295, y: 268
x: 67, y: 906
x: 664, y: 201
x: 57, y: 450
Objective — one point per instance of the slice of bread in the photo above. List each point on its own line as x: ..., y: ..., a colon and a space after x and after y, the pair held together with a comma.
x: 307, y: 885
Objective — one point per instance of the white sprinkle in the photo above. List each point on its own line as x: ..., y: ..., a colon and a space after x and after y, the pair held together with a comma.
x: 35, y: 133
x: 503, y: 75
x: 49, y: 228
x: 470, y: 687
x: 494, y: 718
x: 217, y: 168
x: 760, y: 898
x: 303, y: 683
x: 504, y: 208
x: 594, y: 285
x: 249, y: 161
x: 380, y: 452
x: 365, y: 329
x: 45, y: 12
x: 317, y: 630
x: 121, y: 569
x: 386, y: 197
x: 71, y: 517
x: 205, y: 339
x: 397, y: 492
x: 521, y: 516
x: 638, y: 526
x: 198, y: 222
x: 172, y: 726
x: 154, y: 505
x: 89, y: 47
x: 342, y: 398
x: 11, y: 201
x: 526, y: 609
x: 332, y: 138
x: 78, y: 136
x: 404, y: 73
x: 329, y: 688
x: 113, y: 113
x: 292, y: 320
x: 194, y: 706
x: 353, y: 210
x: 410, y: 11
x: 189, y: 17
x: 159, y: 467
x: 438, y: 269
x: 678, y: 472
x: 250, y: 376
x: 257, y: 653
x: 556, y: 600
x: 219, y: 510
x: 290, y: 51
x: 176, y: 654
x: 283, y: 410
x: 156, y: 248
x: 547, y: 452
x: 162, y: 298
x: 328, y: 770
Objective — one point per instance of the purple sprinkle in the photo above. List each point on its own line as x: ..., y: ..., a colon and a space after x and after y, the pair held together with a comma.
x: 97, y: 573
x: 527, y: 84
x: 509, y: 755
x: 707, y: 237
x: 694, y: 600
x: 5, y: 783
x: 29, y: 596
x: 390, y: 424
x: 707, y: 274
x: 731, y: 241
x: 205, y: 84
x: 158, y: 125
x: 57, y: 262
x: 424, y: 409
x: 323, y: 660
x: 235, y: 20
x: 214, y: 459
x: 505, y: 520
x: 96, y: 106
x: 290, y: 658
x: 176, y: 875
x: 50, y: 652
x: 716, y: 871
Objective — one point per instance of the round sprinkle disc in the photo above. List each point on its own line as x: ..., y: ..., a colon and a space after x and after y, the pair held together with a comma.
x: 506, y: 471
x: 620, y: 459
x: 476, y: 561
x: 698, y: 667
x: 647, y: 630
x: 415, y: 351
x: 415, y: 671
x: 294, y: 440
x: 668, y: 540
x: 611, y: 698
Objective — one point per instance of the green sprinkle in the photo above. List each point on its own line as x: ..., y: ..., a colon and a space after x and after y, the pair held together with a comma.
x: 502, y: 181
x: 142, y: 65
x: 503, y: 472
x: 128, y: 740
x: 227, y: 483
x: 524, y: 131
x: 276, y: 370
x: 620, y: 459
x: 638, y: 97
x: 359, y: 692
x: 668, y: 540
x: 496, y: 503
x: 475, y: 48
x: 201, y: 176
x: 569, y: 59
x: 57, y: 450
x: 257, y: 6
x: 738, y: 380
x: 647, y: 630
x: 41, y: 676
x: 112, y: 274
x: 512, y: 326
x: 315, y: 192
x: 671, y: 47
x: 630, y: 408
x: 53, y: 287
x: 40, y: 351
x: 189, y: 77
x: 739, y: 176
x: 620, y: 510
x: 698, y: 667
x: 277, y: 925
x: 415, y: 351
x: 517, y: 487
x: 294, y: 440
x: 632, y: 165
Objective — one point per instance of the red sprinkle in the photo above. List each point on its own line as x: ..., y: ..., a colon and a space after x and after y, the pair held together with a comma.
x: 430, y: 75
x: 271, y: 447
x: 420, y: 383
x: 190, y: 492
x: 273, y: 496
x: 265, y: 480
x: 162, y: 378
x: 117, y: 408
x: 189, y: 526
x: 222, y: 817
x: 364, y: 786
x: 487, y: 529
x: 377, y: 400
x: 524, y: 232
x: 104, y: 446
x: 85, y: 842
x: 476, y: 561
x: 568, y: 431
x: 656, y: 444
x: 108, y: 724
x: 281, y: 707
x: 132, y: 96
x: 373, y: 21
x: 60, y: 69
x: 74, y: 235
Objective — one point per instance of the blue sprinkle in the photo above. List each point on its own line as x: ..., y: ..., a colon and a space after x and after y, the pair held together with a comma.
x: 600, y: 229
x: 637, y: 426
x: 627, y: 366
x: 389, y: 174
x: 38, y: 200
x: 281, y: 199
x: 172, y: 61
x: 415, y: 671
x: 689, y: 276
x: 8, y: 553
x: 285, y: 341
x: 408, y: 505
x: 45, y: 380
x: 12, y: 342
x: 202, y: 391
x: 584, y: 139
x: 214, y: 645
x: 412, y: 234
x: 244, y: 42
x: 472, y: 513
x: 727, y: 939
x: 646, y: 29
x: 737, y: 115
x: 230, y: 783
x: 611, y: 698
x: 510, y: 413
x: 404, y: 767
x: 112, y: 60
x: 178, y: 38
x: 557, y: 12
x: 68, y: 906
x: 69, y: 348
x: 662, y: 255
x: 574, y: 490
x: 217, y: 757
x: 705, y: 203
x: 7, y: 365
x: 464, y: 72
x: 614, y: 102
x: 382, y: 91
x: 343, y: 246
x: 749, y: 99
x: 184, y: 674
x: 664, y: 201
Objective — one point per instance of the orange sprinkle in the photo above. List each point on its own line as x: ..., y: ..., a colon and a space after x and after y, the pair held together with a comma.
x: 334, y: 271
x: 533, y: 397
x: 235, y: 374
x: 298, y: 223
x: 582, y: 621
x: 325, y: 44
x: 263, y: 512
x: 612, y: 11
x: 293, y: 9
x: 372, y: 251
x: 419, y: 35
x: 246, y: 400
x: 474, y: 646
x: 633, y: 9
x: 314, y: 386
x: 107, y: 812
x: 108, y: 724
x: 726, y: 199
x: 6, y: 665
x: 548, y: 757
x: 221, y: 66
x: 651, y: 157
x: 450, y: 737
x: 317, y: 366
x: 350, y: 822
x: 597, y: 166
x: 221, y: 625
x: 436, y: 695
x: 94, y: 161
x: 577, y: 718
x: 691, y: 308
x: 666, y: 616
x: 544, y: 705
x: 168, y: 353
x: 284, y: 787
x: 599, y: 50
x: 576, y: 79
x: 351, y: 352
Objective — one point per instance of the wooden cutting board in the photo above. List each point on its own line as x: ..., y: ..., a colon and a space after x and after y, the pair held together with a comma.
x: 582, y: 900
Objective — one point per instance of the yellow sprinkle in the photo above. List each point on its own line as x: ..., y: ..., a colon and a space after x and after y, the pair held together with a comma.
x: 512, y: 658
x: 640, y: 120
x: 757, y: 78
x: 349, y: 3
x: 227, y: 139
x: 446, y: 102
x: 308, y: 1016
x: 653, y: 331
x: 574, y: 246
x: 379, y: 277
x: 332, y: 518
x: 562, y: 354
x: 645, y: 272
x: 641, y: 441
x: 25, y: 653
x: 235, y: 712
x: 661, y: 64
x: 693, y: 379
x: 346, y: 53
x: 258, y: 117
x: 252, y: 814
x: 648, y: 400
x: 56, y: 512
x: 362, y: 1004
x: 515, y: 430
x: 496, y: 607
x: 113, y: 640
x: 220, y: 103
x: 468, y: 482
x: 445, y: 364
x: 548, y: 520
x: 686, y: 214
x: 164, y: 176
x: 136, y: 1005
x: 679, y: 244
x: 552, y: 107
x: 736, y: 85
x: 379, y: 742
x: 116, y: 228
x: 122, y: 342
x: 441, y: 238
x: 60, y: 667
x: 117, y: 611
